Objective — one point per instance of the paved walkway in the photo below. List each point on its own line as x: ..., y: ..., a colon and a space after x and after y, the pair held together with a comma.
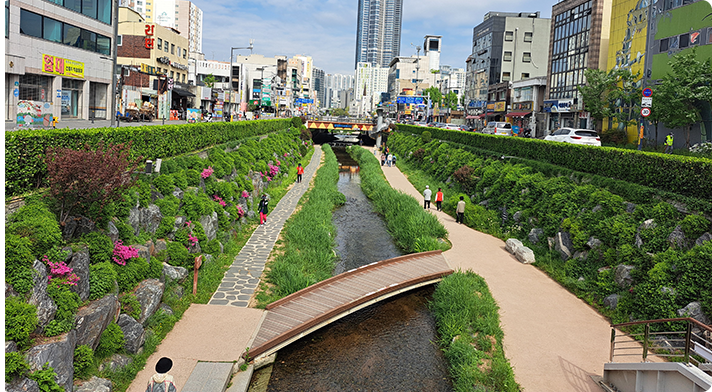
x: 210, y: 333
x: 553, y: 340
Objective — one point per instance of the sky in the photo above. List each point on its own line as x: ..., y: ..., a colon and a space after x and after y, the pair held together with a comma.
x: 326, y: 29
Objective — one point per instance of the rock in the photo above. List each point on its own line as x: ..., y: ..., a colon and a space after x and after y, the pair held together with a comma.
x: 551, y: 241
x: 524, y: 191
x: 10, y: 291
x: 148, y: 293
x: 580, y: 255
x: 195, y: 249
x: 563, y: 245
x: 594, y: 243
x: 210, y: 225
x: 46, y: 308
x: 178, y: 291
x: 484, y: 203
x: 113, y: 232
x: 155, y: 194
x: 166, y: 309
x: 647, y: 224
x: 95, y: 384
x: 207, y: 259
x: 222, y: 248
x: 668, y: 290
x: 535, y: 235
x: 611, y: 301
x: 603, y: 269
x: 22, y: 384
x: 623, y: 276
x: 59, y: 355
x: 174, y: 273
x: 134, y: 220
x: 525, y: 255
x: 92, y: 320
x: 10, y: 346
x: 143, y: 252
x: 629, y: 207
x: 694, y: 310
x: 151, y: 218
x: 517, y: 216
x: 84, y: 226
x: 80, y: 264
x: 134, y: 334
x: 703, y: 238
x: 512, y: 245
x: 177, y: 192
x: 159, y: 247
x: 115, y: 362
x: 677, y: 239
x: 597, y: 208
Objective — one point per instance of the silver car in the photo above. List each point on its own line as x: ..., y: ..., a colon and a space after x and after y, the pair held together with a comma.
x: 587, y: 137
x: 498, y: 128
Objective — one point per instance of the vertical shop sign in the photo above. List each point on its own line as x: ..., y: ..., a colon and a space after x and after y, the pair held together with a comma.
x: 148, y: 41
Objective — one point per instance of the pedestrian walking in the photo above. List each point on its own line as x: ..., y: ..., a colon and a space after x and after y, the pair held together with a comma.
x: 439, y: 199
x: 383, y: 159
x: 300, y: 171
x: 426, y: 197
x: 460, y: 210
x: 668, y: 143
x: 162, y: 381
x: 389, y: 159
x: 263, y: 208
x: 394, y: 159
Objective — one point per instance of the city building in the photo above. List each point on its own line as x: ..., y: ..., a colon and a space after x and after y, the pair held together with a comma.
x: 190, y: 25
x: 371, y: 82
x: 335, y: 83
x: 527, y: 100
x: 378, y: 32
x: 318, y: 77
x: 579, y: 41
x: 506, y: 47
x: 414, y: 73
x: 58, y: 60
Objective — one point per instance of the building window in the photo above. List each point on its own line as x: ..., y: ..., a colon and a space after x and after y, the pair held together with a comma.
x: 509, y: 35
x: 525, y: 75
x: 53, y: 30
x: 184, y: 52
x: 527, y: 57
x: 528, y: 37
x: 159, y: 45
x: 119, y: 40
x: 506, y: 76
x: 30, y: 24
x: 33, y: 87
x: 171, y: 73
x: 507, y: 56
x: 165, y: 47
x: 7, y: 18
x: 173, y: 49
x: 684, y: 40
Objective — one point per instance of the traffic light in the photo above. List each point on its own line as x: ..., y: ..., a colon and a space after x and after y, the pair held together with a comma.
x: 235, y: 77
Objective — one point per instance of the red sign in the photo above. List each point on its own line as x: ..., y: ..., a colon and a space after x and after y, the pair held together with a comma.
x: 148, y: 41
x: 645, y: 112
x: 149, y: 29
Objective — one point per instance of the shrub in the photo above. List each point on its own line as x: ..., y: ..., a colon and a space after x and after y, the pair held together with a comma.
x: 426, y: 137
x: 178, y: 255
x: 130, y: 305
x: 296, y: 122
x: 180, y: 179
x: 211, y: 247
x: 15, y: 366
x: 192, y: 177
x: 36, y: 223
x: 80, y: 178
x: 83, y: 360
x: 463, y: 176
x: 46, y: 379
x: 164, y: 184
x: 18, y: 263
x: 135, y: 270
x: 694, y: 226
x: 20, y: 321
x: 112, y: 340
x: 102, y: 278
x: 126, y: 232
x: 166, y: 226
x: 100, y: 247
x: 67, y: 303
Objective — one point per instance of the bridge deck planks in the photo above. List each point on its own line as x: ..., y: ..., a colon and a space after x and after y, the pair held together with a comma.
x: 297, y: 313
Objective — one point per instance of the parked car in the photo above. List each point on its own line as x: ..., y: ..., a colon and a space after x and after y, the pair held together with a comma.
x: 498, y: 128
x: 467, y: 128
x: 450, y: 126
x: 587, y: 137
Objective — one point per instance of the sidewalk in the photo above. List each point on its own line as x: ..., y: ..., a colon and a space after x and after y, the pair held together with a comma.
x: 553, y: 340
x: 221, y: 330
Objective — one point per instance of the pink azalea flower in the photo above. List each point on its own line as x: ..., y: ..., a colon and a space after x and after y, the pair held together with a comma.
x: 207, y: 172
x: 245, y: 194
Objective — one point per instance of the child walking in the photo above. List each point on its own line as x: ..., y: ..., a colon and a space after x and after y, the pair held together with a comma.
x: 263, y: 208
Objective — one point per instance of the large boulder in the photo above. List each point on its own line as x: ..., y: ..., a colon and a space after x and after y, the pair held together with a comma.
x: 143, y: 252
x: 512, y: 244
x: 623, y: 277
x: 159, y: 247
x: 694, y: 310
x: 678, y: 240
x: 22, y: 384
x: 76, y: 226
x: 210, y: 225
x: 46, y: 308
x: 525, y: 255
x: 563, y: 245
x: 134, y: 334
x: 149, y: 294
x: 58, y: 355
x: 115, y: 362
x: 178, y: 193
x: 95, y: 384
x: 151, y: 218
x: 93, y: 319
x: 535, y: 235
x: 80, y: 264
x: 112, y: 231
x: 703, y: 238
x: 174, y: 273
x: 611, y: 301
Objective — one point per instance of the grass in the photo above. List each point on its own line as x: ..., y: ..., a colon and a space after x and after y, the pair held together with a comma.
x: 413, y: 229
x: 305, y: 255
x: 470, y: 334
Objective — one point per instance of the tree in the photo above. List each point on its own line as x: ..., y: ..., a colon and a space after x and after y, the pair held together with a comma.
x: 339, y: 112
x: 209, y: 81
x: 433, y: 94
x: 626, y: 97
x: 450, y: 100
x: 614, y: 95
x: 595, y: 93
x: 685, y: 90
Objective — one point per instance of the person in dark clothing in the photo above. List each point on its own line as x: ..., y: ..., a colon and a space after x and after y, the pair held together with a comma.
x: 300, y: 171
x: 263, y: 208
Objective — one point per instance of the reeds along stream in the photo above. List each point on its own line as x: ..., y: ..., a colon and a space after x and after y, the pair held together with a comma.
x: 389, y: 346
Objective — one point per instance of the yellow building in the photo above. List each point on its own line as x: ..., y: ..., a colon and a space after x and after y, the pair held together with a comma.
x: 626, y: 50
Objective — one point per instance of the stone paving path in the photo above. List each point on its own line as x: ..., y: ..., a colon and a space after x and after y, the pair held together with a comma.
x: 243, y: 276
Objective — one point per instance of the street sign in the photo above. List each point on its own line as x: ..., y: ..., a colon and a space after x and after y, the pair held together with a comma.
x: 646, y: 102
x: 645, y: 112
x: 647, y: 92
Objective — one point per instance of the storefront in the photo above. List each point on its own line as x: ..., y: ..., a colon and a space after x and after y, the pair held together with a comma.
x: 559, y: 113
x: 496, y: 111
x: 520, y: 114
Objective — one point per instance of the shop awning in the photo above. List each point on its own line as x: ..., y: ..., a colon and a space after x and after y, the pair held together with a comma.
x: 149, y: 92
x: 182, y: 93
x: 518, y: 114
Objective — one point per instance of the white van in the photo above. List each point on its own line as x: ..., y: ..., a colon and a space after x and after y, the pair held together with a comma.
x: 498, y: 128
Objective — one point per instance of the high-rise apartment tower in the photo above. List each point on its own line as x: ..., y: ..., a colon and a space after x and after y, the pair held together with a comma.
x: 378, y: 32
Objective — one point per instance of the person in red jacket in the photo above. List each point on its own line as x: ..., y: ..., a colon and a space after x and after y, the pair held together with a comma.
x: 300, y: 171
x: 439, y: 199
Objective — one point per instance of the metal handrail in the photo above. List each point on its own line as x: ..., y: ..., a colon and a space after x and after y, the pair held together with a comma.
x: 697, y: 346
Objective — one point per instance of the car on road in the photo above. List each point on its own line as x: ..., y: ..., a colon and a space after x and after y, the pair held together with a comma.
x: 450, y: 126
x: 587, y: 137
x: 498, y: 128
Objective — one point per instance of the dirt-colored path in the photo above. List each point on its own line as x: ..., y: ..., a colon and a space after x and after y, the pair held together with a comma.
x: 554, y: 341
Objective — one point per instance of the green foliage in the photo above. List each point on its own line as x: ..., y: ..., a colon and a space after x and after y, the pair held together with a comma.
x: 35, y: 222
x: 20, y: 321
x: 18, y: 262
x: 100, y: 247
x: 426, y: 137
x: 15, y: 366
x: 178, y: 255
x: 112, y: 341
x: 180, y: 179
x: 164, y: 184
x: 126, y: 232
x: 67, y: 303
x: 46, y: 379
x: 195, y: 206
x: 169, y: 205
x: 83, y: 361
x: 166, y: 226
x: 192, y: 177
x: 130, y: 305
x: 212, y: 247
x: 694, y: 226
x: 135, y: 270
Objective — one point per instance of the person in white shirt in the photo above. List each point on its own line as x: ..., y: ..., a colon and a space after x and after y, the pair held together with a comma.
x: 460, y: 210
x: 426, y: 197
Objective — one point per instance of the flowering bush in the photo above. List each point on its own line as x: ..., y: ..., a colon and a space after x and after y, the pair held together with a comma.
x: 207, y: 172
x: 245, y: 194
x: 279, y: 163
x: 60, y: 273
x: 219, y: 200
x: 123, y: 253
x: 286, y: 154
x: 240, y: 211
x: 273, y: 170
x: 193, y: 240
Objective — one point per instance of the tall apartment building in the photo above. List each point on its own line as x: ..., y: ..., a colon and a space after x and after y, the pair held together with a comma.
x: 378, y: 32
x: 370, y: 83
x: 579, y: 41
x: 58, y: 60
x: 190, y: 25
x: 319, y: 82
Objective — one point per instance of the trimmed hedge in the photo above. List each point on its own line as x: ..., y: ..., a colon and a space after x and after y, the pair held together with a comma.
x: 688, y: 176
x: 25, y: 168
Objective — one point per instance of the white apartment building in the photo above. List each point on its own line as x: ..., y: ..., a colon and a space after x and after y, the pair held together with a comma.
x: 190, y: 25
x: 370, y: 82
